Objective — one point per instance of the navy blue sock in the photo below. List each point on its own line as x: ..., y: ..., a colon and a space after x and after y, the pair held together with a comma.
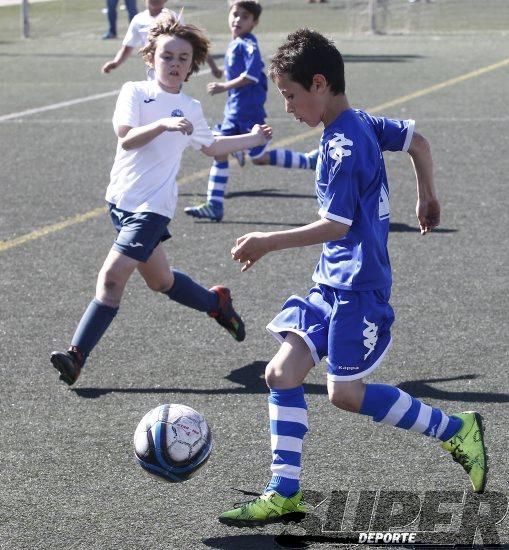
x: 93, y: 324
x: 189, y: 293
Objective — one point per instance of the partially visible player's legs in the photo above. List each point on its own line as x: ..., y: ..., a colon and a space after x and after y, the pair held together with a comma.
x: 282, y: 498
x: 131, y: 8
x: 98, y: 316
x: 461, y: 434
x: 111, y: 10
x: 287, y: 158
x: 213, y: 209
x: 180, y: 288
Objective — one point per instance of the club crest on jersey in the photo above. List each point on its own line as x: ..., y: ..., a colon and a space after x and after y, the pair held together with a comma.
x: 177, y: 112
x: 337, y: 148
x: 250, y: 46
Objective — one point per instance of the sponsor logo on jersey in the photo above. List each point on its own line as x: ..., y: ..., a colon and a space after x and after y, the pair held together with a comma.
x: 148, y: 100
x: 337, y: 148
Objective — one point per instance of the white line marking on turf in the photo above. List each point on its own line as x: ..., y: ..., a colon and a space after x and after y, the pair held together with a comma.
x: 69, y: 103
x: 5, y: 118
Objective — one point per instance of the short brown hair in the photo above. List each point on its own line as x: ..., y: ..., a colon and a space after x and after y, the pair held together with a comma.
x: 252, y: 6
x: 306, y: 53
x: 170, y: 26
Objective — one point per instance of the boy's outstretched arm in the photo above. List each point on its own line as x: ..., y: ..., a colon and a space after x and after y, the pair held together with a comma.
x: 120, y: 57
x: 224, y: 145
x: 214, y: 88
x: 251, y: 247
x: 428, y: 207
x: 215, y: 70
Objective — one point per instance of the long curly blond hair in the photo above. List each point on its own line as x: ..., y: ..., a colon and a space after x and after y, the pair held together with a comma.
x: 171, y: 26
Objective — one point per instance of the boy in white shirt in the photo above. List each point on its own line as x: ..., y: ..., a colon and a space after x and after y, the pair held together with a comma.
x: 137, y: 36
x: 154, y: 122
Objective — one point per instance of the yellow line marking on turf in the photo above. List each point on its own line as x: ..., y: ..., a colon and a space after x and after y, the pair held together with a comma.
x: 73, y: 220
x: 80, y: 218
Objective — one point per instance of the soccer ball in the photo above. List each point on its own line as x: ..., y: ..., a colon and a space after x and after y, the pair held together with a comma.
x: 172, y: 442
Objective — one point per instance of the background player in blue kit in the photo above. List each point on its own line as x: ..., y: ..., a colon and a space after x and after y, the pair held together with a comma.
x: 154, y: 122
x: 246, y: 84
x: 346, y: 316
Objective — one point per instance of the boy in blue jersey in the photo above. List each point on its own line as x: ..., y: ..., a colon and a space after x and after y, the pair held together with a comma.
x: 346, y: 316
x: 246, y: 85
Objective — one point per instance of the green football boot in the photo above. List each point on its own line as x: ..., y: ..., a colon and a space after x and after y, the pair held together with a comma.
x: 268, y: 508
x: 467, y: 448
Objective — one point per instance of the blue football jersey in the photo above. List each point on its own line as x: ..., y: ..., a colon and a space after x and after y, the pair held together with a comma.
x: 243, y: 58
x: 352, y: 188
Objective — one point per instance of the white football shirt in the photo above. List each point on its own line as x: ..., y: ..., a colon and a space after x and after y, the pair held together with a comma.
x: 137, y: 32
x: 144, y: 179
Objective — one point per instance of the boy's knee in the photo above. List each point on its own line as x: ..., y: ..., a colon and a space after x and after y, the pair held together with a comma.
x: 345, y: 400
x: 275, y: 377
x: 109, y: 281
x: 261, y: 161
x: 158, y: 286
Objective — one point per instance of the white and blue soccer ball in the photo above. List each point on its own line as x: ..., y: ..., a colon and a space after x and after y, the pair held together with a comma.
x: 172, y: 442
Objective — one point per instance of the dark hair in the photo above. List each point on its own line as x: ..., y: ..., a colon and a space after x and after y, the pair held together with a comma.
x: 252, y: 6
x: 306, y: 53
x: 170, y: 26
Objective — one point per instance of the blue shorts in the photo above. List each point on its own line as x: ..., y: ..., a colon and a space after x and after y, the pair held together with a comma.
x: 138, y: 233
x: 352, y: 329
x: 231, y: 127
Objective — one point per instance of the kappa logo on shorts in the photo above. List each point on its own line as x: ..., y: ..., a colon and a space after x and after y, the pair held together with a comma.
x: 135, y: 245
x: 370, y: 334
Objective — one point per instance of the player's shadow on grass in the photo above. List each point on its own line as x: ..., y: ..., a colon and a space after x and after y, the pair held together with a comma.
x: 382, y: 58
x: 422, y: 388
x: 397, y: 227
x: 246, y: 542
x: 249, y: 380
x: 272, y: 193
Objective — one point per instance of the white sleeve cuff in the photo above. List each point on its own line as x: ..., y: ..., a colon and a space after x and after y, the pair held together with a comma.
x: 250, y: 77
x: 409, y: 135
x: 327, y: 215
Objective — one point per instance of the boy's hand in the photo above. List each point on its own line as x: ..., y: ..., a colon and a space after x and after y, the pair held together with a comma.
x: 178, y: 124
x: 217, y: 73
x: 109, y: 66
x: 428, y: 214
x: 214, y: 88
x: 263, y: 131
x: 250, y: 248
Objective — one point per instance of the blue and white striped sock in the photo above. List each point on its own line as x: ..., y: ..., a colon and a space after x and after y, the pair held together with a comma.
x: 290, y: 159
x: 288, y: 425
x: 218, y: 178
x: 390, y: 405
